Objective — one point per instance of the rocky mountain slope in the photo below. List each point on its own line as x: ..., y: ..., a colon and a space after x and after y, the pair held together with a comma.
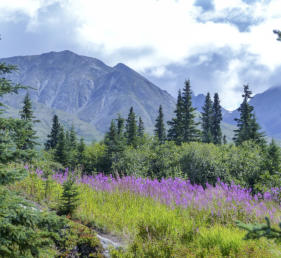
x: 87, y: 88
x: 86, y: 92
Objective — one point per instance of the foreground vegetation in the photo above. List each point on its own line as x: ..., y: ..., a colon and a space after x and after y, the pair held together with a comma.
x: 138, y: 210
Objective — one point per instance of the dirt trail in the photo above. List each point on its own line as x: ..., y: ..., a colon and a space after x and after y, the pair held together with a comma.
x: 108, y: 241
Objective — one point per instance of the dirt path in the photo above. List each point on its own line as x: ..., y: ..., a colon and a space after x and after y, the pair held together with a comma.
x: 108, y: 241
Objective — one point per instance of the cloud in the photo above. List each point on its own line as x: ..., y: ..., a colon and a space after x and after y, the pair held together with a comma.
x: 218, y: 44
x: 206, y: 5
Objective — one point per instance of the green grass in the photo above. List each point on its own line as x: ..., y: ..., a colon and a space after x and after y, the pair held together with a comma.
x: 152, y: 229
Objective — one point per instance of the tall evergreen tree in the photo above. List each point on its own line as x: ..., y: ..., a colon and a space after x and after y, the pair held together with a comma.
x: 120, y: 137
x: 61, y: 154
x: 120, y: 125
x: 190, y: 131
x: 72, y: 137
x: 131, y: 128
x: 140, y: 128
x: 81, y: 151
x: 216, y: 120
x: 111, y: 139
x: 24, y: 134
x: 247, y: 127
x: 175, y: 132
x: 8, y: 127
x: 207, y: 120
x: 52, y: 141
x: 273, y: 159
x: 160, y: 131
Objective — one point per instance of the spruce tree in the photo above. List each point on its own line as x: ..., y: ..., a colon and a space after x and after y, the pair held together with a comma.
x: 190, y: 131
x: 160, y: 131
x: 70, y: 197
x: 111, y: 139
x: 72, y: 137
x: 273, y: 158
x: 61, y: 154
x: 120, y: 126
x: 54, y: 135
x: 140, y: 128
x: 207, y: 120
x: 71, y: 142
x: 216, y: 120
x: 247, y: 127
x: 131, y: 128
x: 26, y: 133
x: 175, y: 132
x: 24, y: 231
x: 81, y: 148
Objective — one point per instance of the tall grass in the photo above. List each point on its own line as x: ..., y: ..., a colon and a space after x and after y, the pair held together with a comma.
x: 171, y: 218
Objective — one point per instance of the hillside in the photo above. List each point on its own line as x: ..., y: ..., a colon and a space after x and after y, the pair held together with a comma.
x: 87, y: 88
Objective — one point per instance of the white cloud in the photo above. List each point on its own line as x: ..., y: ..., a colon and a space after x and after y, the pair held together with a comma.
x: 170, y: 28
x: 9, y: 8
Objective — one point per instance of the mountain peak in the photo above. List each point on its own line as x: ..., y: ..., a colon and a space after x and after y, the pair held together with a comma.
x: 123, y: 67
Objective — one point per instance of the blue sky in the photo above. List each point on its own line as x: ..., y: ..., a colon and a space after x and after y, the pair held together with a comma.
x: 219, y: 45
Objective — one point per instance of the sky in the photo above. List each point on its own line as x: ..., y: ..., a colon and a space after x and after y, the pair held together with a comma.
x: 219, y: 45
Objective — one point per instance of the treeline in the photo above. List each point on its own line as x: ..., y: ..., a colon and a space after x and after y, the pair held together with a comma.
x: 181, y: 151
x: 191, y: 148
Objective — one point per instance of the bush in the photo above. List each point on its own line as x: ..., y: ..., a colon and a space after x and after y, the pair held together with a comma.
x: 204, y: 163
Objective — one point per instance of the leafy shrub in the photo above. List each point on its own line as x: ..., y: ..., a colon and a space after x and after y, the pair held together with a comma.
x: 203, y: 163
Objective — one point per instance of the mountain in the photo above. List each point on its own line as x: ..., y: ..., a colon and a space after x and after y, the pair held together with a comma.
x: 267, y: 107
x: 198, y: 102
x: 87, y: 93
x: 45, y: 114
x: 87, y: 89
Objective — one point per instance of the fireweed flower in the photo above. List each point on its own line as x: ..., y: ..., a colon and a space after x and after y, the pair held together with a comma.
x: 222, y: 200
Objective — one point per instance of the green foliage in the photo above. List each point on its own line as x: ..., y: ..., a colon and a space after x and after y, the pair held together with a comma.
x: 160, y: 131
x: 10, y: 175
x: 70, y: 197
x: 190, y: 131
x: 25, y: 232
x: 216, y: 123
x: 81, y: 152
x: 204, y: 163
x: 61, y: 154
x: 175, y: 132
x: 96, y: 158
x: 131, y: 128
x: 24, y: 134
x: 207, y: 120
x: 140, y: 132
x: 248, y: 128
x: 53, y: 137
x: 183, y: 127
x: 256, y: 231
x: 132, y: 161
